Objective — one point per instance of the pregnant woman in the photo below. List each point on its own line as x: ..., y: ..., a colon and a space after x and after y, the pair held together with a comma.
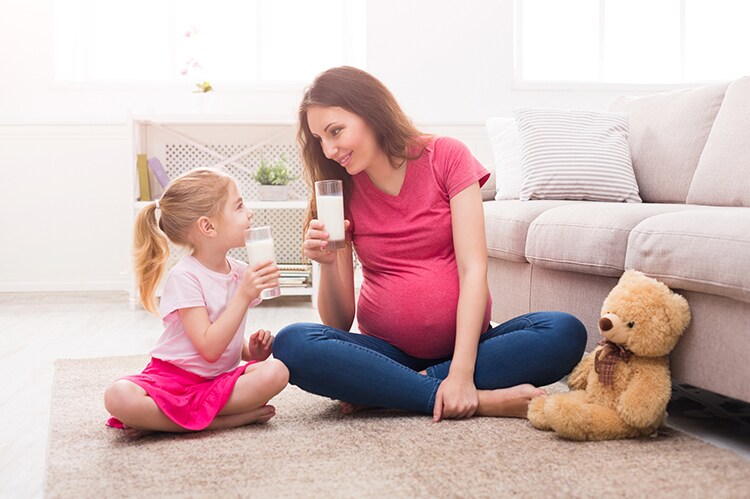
x: 414, y: 217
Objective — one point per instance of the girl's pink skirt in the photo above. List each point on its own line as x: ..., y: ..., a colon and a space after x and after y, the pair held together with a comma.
x: 189, y: 400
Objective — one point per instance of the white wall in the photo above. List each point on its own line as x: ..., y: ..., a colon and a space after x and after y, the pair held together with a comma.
x: 65, y: 193
x: 64, y: 199
x: 452, y: 60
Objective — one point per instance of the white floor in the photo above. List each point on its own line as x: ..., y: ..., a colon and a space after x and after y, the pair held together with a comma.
x: 36, y: 329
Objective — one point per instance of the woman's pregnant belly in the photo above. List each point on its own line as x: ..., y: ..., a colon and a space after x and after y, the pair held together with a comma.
x: 414, y: 311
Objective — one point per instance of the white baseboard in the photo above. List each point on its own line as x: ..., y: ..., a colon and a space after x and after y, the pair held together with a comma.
x: 35, y: 287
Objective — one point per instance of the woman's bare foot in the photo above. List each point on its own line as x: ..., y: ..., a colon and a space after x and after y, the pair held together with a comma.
x: 349, y: 409
x: 507, y: 402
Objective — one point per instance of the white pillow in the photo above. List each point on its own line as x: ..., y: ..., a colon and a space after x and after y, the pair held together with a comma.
x: 506, y: 148
x: 582, y: 155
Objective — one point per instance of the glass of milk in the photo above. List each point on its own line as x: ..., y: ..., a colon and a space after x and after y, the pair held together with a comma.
x: 329, y: 197
x: 259, y: 244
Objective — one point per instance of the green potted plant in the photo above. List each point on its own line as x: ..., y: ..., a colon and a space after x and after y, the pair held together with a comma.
x: 274, y: 178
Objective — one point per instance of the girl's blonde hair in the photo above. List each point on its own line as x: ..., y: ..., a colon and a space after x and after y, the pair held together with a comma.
x: 197, y: 193
x: 364, y: 95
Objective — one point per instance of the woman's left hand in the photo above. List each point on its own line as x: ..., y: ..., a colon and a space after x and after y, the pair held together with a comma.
x: 456, y: 398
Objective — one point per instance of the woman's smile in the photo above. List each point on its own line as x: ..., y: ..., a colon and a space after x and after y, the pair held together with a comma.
x: 344, y: 161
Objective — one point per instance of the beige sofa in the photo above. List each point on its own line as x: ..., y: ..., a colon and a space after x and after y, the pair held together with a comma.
x: 691, y: 156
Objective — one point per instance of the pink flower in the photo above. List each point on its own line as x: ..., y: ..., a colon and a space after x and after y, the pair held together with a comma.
x: 192, y: 65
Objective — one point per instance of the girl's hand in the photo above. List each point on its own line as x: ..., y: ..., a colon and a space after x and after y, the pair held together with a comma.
x: 456, y: 398
x: 262, y: 276
x: 316, y: 240
x: 259, y: 344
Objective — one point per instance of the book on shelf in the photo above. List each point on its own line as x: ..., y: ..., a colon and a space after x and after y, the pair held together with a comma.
x: 295, y: 267
x: 294, y: 277
x: 292, y: 283
x: 287, y: 277
x: 144, y: 186
x: 158, y: 179
x: 159, y: 172
x: 156, y: 189
x: 294, y: 274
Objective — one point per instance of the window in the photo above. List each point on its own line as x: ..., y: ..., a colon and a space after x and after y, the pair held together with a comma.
x: 172, y: 41
x: 632, y: 41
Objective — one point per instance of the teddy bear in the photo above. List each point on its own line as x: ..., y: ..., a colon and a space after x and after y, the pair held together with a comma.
x: 622, y: 388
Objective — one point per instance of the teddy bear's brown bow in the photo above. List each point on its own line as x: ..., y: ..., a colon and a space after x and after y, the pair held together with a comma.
x: 606, y: 360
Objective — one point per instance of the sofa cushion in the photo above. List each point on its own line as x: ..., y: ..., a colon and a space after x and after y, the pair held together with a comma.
x: 576, y: 155
x: 591, y: 238
x: 667, y: 133
x: 723, y: 174
x: 506, y: 223
x: 506, y: 150
x: 488, y: 189
x: 705, y: 250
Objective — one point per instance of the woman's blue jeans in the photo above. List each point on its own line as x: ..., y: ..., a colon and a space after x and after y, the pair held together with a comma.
x: 538, y: 348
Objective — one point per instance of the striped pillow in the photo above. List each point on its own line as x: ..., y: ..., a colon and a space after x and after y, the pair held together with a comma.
x: 582, y: 155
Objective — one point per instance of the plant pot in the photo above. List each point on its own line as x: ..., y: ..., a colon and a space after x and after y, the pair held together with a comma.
x: 273, y: 192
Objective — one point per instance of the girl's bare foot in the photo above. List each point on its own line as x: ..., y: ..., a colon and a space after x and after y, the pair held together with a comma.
x: 264, y: 414
x: 256, y: 416
x: 507, y: 402
x: 134, y: 432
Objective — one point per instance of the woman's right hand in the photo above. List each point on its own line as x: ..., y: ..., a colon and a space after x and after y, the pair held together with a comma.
x: 316, y: 240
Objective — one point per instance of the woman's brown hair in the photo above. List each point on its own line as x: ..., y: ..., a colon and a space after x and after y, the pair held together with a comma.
x: 364, y: 95
x: 197, y: 193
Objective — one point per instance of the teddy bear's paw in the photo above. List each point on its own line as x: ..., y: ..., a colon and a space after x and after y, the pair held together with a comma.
x: 595, y: 422
x: 568, y: 415
x: 536, y: 414
x: 644, y: 415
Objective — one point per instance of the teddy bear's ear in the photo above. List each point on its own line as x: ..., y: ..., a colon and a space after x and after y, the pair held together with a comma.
x: 630, y: 274
x: 682, y: 310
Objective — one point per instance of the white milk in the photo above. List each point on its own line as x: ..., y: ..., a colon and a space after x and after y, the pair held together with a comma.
x: 331, y: 213
x: 259, y: 251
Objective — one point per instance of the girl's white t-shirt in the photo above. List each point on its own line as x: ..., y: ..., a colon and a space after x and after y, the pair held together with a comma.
x: 190, y: 284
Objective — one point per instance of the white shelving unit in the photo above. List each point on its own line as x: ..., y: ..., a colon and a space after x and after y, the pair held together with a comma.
x: 234, y: 144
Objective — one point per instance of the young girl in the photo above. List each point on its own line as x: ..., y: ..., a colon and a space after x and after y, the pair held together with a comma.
x: 194, y: 380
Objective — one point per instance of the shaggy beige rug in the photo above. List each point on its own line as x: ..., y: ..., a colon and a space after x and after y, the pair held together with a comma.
x: 310, y: 450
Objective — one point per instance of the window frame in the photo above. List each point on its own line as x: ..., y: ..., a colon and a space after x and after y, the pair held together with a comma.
x: 520, y: 83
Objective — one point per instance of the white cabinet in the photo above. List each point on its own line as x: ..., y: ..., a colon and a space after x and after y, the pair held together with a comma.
x: 236, y: 146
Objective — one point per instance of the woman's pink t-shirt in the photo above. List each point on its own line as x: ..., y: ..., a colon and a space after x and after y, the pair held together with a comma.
x: 409, y: 295
x: 190, y: 284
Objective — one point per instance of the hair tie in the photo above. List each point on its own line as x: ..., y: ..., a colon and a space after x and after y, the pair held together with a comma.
x: 156, y: 203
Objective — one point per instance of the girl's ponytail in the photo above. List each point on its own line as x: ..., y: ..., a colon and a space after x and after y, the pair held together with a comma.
x: 150, y: 251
